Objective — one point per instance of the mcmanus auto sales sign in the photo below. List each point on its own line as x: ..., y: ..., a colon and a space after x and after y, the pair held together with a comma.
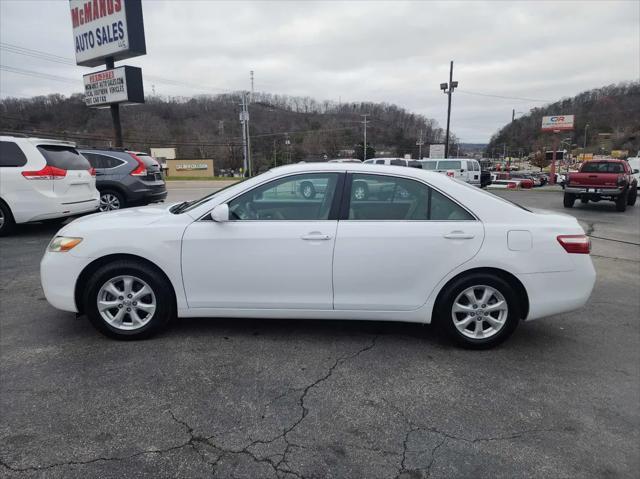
x: 107, y: 28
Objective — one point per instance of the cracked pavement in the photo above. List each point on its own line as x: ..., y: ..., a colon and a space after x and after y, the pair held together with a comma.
x: 314, y: 399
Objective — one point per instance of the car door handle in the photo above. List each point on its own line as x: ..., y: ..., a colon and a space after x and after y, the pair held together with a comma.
x: 315, y: 237
x: 459, y: 235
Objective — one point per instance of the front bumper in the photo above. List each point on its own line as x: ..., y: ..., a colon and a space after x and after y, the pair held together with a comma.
x: 593, y: 191
x: 59, y: 273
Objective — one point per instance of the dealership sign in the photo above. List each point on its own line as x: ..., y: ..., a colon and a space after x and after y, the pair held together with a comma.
x: 436, y: 151
x: 107, y: 28
x: 557, y: 123
x: 191, y: 166
x: 118, y: 85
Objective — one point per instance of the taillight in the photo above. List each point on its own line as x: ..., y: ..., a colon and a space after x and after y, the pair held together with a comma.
x: 511, y: 185
x: 92, y: 171
x: 141, y: 169
x: 46, y: 173
x: 579, y: 244
x: 621, y: 180
x: 451, y: 174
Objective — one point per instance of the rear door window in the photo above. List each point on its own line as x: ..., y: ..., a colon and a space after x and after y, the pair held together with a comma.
x: 64, y: 157
x: 11, y: 155
x: 449, y: 165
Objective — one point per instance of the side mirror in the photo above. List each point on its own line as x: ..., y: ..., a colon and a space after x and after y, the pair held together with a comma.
x: 220, y: 213
x: 636, y: 171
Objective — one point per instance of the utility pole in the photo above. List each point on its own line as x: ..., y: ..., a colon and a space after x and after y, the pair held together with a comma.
x: 244, y: 118
x: 364, y: 147
x: 447, y: 89
x: 251, y: 76
x: 275, y: 157
x: 287, y: 142
x: 584, y: 147
x: 420, y: 142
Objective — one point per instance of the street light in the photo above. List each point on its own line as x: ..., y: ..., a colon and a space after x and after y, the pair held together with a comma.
x: 447, y: 89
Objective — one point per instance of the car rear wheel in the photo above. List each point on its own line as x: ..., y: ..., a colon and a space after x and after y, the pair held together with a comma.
x: 479, y: 311
x: 128, y: 300
x: 569, y: 200
x: 633, y: 196
x: 621, y: 201
x: 111, y: 200
x: 6, y: 220
x: 307, y: 190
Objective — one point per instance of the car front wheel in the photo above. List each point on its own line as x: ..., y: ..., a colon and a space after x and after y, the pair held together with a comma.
x: 479, y: 311
x: 633, y: 196
x: 307, y: 190
x: 6, y: 220
x: 128, y: 300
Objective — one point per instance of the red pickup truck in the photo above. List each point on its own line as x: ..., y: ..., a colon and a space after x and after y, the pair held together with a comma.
x: 602, y: 180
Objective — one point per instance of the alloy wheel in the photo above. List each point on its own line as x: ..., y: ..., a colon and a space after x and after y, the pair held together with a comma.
x: 359, y: 193
x: 306, y: 191
x: 2, y: 218
x: 126, y: 302
x: 479, y: 312
x: 108, y: 202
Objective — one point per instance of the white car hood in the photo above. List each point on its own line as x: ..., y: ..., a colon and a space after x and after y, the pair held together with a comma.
x: 144, y: 215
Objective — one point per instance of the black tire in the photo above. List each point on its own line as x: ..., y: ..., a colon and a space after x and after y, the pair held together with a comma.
x: 584, y: 200
x: 569, y: 200
x: 162, y: 291
x: 633, y: 196
x: 359, y: 191
x: 444, y: 314
x: 621, y: 201
x: 117, y: 197
x: 307, y: 190
x: 7, y: 223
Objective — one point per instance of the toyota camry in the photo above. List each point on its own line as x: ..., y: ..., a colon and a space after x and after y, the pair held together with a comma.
x: 372, y: 243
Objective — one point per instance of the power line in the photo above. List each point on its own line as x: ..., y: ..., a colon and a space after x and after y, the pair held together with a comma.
x: 35, y: 74
x: 469, y: 92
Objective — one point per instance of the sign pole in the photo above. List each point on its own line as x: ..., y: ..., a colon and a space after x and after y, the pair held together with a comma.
x: 552, y: 179
x: 115, y: 111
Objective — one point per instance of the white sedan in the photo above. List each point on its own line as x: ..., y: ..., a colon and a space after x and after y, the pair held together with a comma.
x: 419, y: 247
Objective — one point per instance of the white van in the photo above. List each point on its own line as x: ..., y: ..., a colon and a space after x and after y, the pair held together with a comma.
x: 634, y: 163
x: 43, y: 179
x: 394, y: 162
x: 464, y: 169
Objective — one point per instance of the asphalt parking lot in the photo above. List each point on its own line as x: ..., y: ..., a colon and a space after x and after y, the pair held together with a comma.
x: 312, y: 399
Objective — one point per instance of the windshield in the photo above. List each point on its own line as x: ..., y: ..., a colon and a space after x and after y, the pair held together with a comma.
x: 189, y: 205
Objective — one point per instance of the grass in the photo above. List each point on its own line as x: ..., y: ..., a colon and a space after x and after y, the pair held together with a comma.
x: 201, y: 178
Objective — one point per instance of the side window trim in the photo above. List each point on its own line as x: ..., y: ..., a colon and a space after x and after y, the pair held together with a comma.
x: 346, y: 203
x: 122, y: 162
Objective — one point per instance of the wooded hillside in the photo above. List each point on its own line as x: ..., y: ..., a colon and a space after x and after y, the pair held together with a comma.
x: 612, y: 113
x: 209, y: 126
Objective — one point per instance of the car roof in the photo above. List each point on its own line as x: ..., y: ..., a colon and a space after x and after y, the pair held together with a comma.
x: 38, y: 141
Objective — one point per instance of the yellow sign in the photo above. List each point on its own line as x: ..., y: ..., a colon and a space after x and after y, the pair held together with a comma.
x: 619, y: 153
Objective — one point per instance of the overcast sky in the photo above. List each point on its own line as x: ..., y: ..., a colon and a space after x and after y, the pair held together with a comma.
x: 395, y: 52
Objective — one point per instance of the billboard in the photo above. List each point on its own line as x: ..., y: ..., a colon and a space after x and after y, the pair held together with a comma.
x: 557, y: 122
x: 107, y: 28
x: 118, y: 85
x: 436, y: 151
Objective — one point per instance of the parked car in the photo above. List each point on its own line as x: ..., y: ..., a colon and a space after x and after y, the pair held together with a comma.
x: 43, y: 180
x: 485, y: 178
x: 602, y: 180
x: 464, y: 169
x: 394, y: 162
x: 634, y: 164
x: 447, y: 253
x: 126, y: 178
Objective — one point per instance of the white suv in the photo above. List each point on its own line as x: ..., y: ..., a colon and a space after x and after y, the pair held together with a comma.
x: 43, y: 179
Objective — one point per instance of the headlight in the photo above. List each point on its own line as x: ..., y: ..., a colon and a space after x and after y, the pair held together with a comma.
x: 61, y: 244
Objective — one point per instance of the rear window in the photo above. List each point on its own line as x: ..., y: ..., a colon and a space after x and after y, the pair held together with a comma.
x: 11, y: 155
x: 64, y: 157
x: 602, y: 167
x: 429, y: 165
x: 449, y: 165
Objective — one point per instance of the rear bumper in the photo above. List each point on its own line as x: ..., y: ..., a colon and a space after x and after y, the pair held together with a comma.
x: 559, y: 292
x: 148, y: 195
x: 49, y: 210
x: 579, y: 190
